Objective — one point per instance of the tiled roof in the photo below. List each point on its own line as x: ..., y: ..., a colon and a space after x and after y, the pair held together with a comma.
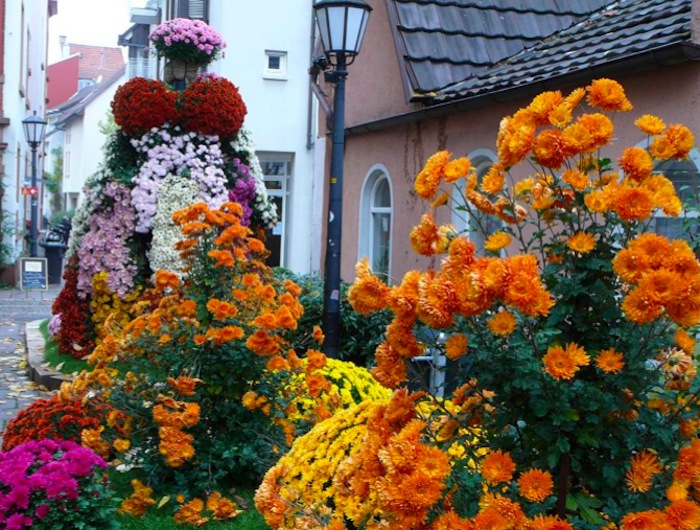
x: 624, y: 31
x: 96, y: 61
x: 445, y: 41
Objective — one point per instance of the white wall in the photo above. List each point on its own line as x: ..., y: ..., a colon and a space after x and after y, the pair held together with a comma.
x: 278, y: 110
x: 86, y: 141
x: 19, y: 104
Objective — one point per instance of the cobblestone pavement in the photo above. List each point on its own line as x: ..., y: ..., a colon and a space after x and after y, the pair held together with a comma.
x: 17, y: 308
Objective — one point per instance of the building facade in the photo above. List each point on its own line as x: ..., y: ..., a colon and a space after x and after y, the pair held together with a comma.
x: 23, y: 48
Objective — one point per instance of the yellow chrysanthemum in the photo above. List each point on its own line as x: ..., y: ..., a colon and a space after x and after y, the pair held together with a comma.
x: 497, y: 241
x: 650, y: 124
x: 581, y: 242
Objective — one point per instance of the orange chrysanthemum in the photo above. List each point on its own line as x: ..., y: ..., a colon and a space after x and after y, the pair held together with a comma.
x: 633, y: 204
x: 681, y: 139
x: 425, y: 237
x: 549, y: 522
x: 646, y: 520
x: 497, y: 467
x: 636, y: 163
x: 493, y: 180
x: 576, y: 179
x: 644, y: 467
x: 599, y: 127
x: 535, y: 485
x: 457, y: 169
x: 581, y: 242
x: 550, y: 148
x: 502, y: 323
x: 684, y: 341
x: 368, y: 293
x: 639, y: 307
x: 610, y: 361
x: 563, y: 363
x: 683, y: 515
x: 456, y: 346
x: 608, y: 94
x: 183, y: 385
x: 428, y: 180
x: 650, y: 124
x: 497, y: 241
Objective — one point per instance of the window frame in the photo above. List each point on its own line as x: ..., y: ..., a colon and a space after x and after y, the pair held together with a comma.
x: 365, y: 241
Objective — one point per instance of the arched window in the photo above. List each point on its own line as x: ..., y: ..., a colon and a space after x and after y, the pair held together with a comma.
x: 686, y: 179
x: 474, y: 224
x: 376, y: 219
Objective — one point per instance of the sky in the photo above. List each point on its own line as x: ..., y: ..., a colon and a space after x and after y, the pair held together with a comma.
x: 93, y: 22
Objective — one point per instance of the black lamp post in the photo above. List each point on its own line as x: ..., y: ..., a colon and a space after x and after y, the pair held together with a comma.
x: 342, y: 25
x: 34, y: 133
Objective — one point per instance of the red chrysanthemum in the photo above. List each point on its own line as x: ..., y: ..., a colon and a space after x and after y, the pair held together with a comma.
x: 212, y: 106
x: 141, y: 104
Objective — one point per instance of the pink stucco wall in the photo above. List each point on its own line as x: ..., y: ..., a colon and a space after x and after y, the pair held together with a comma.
x: 673, y: 93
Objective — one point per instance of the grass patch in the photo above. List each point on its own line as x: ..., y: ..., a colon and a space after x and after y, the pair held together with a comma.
x: 162, y: 518
x: 63, y: 363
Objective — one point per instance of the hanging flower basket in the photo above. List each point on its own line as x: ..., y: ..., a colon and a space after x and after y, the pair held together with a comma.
x: 192, y: 41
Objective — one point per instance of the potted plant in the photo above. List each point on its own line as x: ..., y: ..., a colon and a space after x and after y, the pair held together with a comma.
x: 186, y: 45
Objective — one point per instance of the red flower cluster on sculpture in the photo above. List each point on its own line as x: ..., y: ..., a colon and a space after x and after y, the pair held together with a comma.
x: 141, y: 104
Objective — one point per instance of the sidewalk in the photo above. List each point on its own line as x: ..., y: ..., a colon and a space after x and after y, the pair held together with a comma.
x: 17, y: 309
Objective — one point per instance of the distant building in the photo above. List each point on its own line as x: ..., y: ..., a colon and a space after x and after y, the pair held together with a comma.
x: 23, y: 53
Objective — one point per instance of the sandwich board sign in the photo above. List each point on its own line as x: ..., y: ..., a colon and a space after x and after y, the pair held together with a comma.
x: 34, y: 274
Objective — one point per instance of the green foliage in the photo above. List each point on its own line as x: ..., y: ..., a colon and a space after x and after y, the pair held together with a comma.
x: 53, y: 180
x: 359, y: 334
x: 66, y: 364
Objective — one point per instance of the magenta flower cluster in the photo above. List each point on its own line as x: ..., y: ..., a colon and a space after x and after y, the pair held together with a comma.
x: 105, y: 245
x: 39, y: 480
x: 243, y: 191
x: 187, y: 40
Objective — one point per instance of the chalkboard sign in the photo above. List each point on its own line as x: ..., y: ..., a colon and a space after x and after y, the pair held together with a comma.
x: 34, y: 274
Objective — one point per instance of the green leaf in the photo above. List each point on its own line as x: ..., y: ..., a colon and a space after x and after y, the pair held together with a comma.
x: 585, y: 506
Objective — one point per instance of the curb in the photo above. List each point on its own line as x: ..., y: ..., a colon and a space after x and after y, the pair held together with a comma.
x: 36, y: 369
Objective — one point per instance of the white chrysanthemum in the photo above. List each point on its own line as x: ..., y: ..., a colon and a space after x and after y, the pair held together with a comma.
x: 175, y: 193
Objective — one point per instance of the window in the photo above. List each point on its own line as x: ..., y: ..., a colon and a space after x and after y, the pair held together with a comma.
x: 376, y: 216
x: 194, y: 9
x: 474, y: 224
x: 275, y: 65
x: 686, y: 179
x: 277, y: 170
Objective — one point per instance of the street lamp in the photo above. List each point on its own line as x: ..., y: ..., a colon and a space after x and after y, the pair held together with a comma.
x: 342, y: 25
x: 34, y: 133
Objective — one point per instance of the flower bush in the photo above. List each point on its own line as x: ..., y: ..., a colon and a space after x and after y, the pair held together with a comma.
x: 212, y: 106
x: 192, y: 41
x: 141, y: 104
x: 589, y: 314
x: 54, y: 418
x: 190, y: 430
x: 54, y: 485
x: 75, y: 336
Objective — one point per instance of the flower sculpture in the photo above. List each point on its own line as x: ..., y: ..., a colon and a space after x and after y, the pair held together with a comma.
x: 192, y: 41
x: 573, y: 338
